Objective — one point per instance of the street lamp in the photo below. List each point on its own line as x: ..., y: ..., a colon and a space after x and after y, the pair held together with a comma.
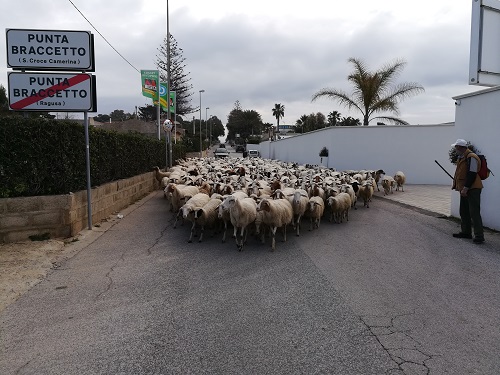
x: 201, y: 144
x: 206, y: 123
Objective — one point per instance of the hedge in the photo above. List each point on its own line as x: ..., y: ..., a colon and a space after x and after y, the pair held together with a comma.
x: 47, y: 157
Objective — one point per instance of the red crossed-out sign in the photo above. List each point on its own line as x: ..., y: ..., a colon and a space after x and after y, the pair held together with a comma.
x: 51, y: 91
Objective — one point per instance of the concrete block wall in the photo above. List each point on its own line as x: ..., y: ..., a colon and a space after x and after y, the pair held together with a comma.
x: 66, y: 215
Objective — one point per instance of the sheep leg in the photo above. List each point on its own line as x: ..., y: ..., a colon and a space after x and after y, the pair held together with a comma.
x: 284, y: 233
x: 192, y: 231
x: 225, y: 231
x: 244, y: 234
x: 177, y: 218
x: 298, y: 226
x: 273, y: 242
x: 311, y: 227
x: 201, y: 233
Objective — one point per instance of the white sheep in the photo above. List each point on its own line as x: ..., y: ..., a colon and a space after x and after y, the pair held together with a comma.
x: 180, y: 194
x: 400, y: 179
x: 388, y: 184
x: 207, y: 215
x: 339, y: 207
x: 349, y: 189
x: 242, y: 212
x: 277, y: 213
x: 196, y: 201
x: 315, y: 210
x: 366, y: 192
x: 300, y: 198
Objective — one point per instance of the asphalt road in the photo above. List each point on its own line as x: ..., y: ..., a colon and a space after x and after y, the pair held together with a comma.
x: 389, y: 292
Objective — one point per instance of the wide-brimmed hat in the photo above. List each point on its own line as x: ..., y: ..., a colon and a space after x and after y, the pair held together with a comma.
x: 460, y: 142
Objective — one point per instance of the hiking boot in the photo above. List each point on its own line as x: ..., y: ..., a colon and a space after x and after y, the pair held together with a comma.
x: 478, y: 240
x: 462, y: 235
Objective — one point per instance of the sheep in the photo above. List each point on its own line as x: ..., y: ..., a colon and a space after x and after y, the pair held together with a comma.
x: 277, y: 213
x: 300, y: 198
x: 366, y: 192
x: 339, y: 207
x: 387, y: 184
x: 223, y: 214
x: 349, y: 189
x: 161, y: 176
x: 242, y: 212
x: 207, y: 215
x: 400, y: 179
x: 180, y: 193
x: 196, y: 201
x: 378, y: 175
x: 315, y: 209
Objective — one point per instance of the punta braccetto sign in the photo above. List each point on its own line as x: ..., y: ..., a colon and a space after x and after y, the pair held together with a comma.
x: 50, y: 50
x: 61, y: 92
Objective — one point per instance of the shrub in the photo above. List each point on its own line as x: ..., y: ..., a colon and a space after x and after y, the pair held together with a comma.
x: 47, y: 157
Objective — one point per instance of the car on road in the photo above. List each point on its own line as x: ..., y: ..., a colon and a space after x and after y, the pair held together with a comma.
x: 240, y: 148
x: 253, y: 154
x: 221, y: 153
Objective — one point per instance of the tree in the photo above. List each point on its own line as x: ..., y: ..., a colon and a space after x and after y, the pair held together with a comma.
x: 243, y: 122
x: 333, y: 118
x: 119, y: 115
x: 308, y: 123
x: 148, y: 112
x: 349, y: 121
x: 179, y: 80
x: 4, y: 100
x: 374, y: 92
x: 278, y: 112
x: 102, y: 118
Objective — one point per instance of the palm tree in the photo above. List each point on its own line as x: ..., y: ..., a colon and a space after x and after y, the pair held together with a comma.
x: 278, y: 112
x: 374, y: 92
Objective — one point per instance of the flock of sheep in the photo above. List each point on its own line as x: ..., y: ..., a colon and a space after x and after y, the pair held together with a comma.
x: 260, y: 195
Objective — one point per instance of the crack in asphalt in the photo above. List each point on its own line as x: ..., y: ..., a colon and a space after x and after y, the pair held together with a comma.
x: 122, y: 258
x: 406, y: 352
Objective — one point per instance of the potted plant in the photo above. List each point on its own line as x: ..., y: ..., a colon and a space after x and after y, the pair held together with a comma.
x: 323, y: 154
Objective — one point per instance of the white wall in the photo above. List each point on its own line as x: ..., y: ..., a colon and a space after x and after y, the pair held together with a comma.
x: 477, y: 119
x: 411, y: 149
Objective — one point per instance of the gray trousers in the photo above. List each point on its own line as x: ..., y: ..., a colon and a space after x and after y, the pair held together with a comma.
x: 470, y: 213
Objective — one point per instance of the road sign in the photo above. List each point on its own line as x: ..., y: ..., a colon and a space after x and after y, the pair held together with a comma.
x: 54, y: 92
x: 484, y: 55
x: 50, y: 50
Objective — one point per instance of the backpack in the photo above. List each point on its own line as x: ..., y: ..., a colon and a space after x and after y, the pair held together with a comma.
x: 484, y: 171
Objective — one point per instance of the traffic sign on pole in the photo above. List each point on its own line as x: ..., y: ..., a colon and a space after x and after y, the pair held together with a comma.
x: 50, y: 50
x: 57, y: 92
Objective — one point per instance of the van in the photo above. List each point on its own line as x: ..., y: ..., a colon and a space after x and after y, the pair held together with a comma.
x: 253, y: 154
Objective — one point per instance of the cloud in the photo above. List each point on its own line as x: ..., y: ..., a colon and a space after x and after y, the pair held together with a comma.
x: 268, y: 53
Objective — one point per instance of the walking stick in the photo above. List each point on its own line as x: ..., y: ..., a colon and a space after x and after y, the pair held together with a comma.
x: 444, y: 169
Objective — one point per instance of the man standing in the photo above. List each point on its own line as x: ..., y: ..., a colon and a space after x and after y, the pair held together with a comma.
x: 469, y: 184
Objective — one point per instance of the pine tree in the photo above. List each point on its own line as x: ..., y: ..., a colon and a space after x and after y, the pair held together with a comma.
x: 179, y: 79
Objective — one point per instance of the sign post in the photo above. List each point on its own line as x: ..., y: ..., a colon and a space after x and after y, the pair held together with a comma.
x: 53, y: 50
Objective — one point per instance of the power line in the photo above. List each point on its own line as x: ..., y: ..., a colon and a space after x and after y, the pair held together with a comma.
x: 97, y: 31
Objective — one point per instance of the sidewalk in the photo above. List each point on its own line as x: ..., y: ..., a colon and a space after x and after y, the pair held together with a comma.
x: 434, y: 198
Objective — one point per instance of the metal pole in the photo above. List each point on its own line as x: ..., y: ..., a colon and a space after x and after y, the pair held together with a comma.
x: 87, y: 158
x: 206, y: 125
x: 201, y: 144
x: 168, y: 66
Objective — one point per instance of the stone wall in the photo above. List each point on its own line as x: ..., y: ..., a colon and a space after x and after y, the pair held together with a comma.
x: 66, y: 215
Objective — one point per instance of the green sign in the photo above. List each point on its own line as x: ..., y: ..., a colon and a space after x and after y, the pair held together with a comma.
x: 150, y: 80
x: 163, y: 98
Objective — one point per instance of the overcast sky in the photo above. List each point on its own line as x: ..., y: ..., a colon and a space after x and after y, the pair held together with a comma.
x: 266, y: 52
